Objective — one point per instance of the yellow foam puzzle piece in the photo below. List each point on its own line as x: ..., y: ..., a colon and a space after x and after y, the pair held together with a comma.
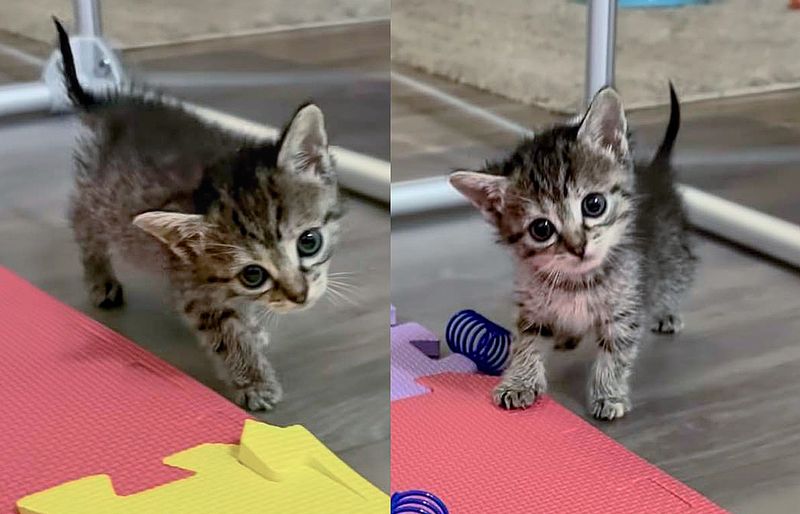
x: 292, y: 472
x: 294, y: 453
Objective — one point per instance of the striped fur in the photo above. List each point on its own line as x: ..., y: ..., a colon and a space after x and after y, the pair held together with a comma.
x: 634, y: 261
x: 168, y: 191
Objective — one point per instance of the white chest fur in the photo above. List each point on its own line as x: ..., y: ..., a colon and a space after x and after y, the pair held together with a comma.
x: 574, y: 311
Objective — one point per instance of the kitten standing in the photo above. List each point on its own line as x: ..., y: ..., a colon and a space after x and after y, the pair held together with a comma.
x: 242, y: 228
x: 601, y: 248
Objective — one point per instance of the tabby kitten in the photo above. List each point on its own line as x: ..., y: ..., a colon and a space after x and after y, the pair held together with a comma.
x: 242, y: 228
x: 600, y: 247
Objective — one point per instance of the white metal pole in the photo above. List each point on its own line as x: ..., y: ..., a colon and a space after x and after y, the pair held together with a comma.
x: 88, y: 21
x: 424, y: 195
x: 47, y: 94
x: 601, y: 36
x: 24, y: 98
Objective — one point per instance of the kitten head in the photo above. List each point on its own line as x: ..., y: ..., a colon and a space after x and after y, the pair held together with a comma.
x: 563, y: 199
x: 265, y: 220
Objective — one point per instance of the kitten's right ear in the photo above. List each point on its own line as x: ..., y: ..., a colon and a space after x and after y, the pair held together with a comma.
x: 304, y: 145
x: 605, y: 125
x: 174, y: 229
x: 483, y: 190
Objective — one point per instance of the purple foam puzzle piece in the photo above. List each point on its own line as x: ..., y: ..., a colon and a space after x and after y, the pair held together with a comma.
x: 392, y: 316
x: 404, y: 385
x: 429, y: 347
x: 408, y: 363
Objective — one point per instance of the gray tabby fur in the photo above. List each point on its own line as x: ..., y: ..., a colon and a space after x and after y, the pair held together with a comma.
x: 608, y: 278
x: 166, y: 190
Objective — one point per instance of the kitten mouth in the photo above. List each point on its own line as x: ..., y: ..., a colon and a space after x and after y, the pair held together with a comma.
x: 584, y: 266
x: 285, y: 308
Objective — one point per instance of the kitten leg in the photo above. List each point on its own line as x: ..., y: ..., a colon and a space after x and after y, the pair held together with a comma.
x: 668, y: 323
x: 524, y: 380
x: 240, y: 353
x: 255, y: 391
x: 104, y: 289
x: 609, y: 396
x: 670, y: 293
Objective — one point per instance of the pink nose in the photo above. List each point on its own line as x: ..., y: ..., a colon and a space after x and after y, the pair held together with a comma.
x: 297, y: 296
x: 577, y: 248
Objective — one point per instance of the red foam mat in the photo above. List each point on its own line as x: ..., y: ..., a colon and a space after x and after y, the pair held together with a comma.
x: 79, y: 399
x: 479, y: 459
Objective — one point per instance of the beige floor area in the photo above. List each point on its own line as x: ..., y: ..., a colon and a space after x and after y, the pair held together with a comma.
x: 534, y: 52
x: 159, y: 21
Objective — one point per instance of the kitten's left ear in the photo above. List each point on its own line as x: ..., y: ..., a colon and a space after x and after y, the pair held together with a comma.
x: 484, y: 191
x: 604, y: 125
x: 174, y: 229
x: 304, y: 145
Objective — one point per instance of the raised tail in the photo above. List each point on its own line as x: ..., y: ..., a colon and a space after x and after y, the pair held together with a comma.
x: 79, y: 96
x: 665, y: 150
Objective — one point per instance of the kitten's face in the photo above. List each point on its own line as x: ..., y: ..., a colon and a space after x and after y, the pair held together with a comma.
x: 266, y: 221
x: 273, y: 244
x: 563, y: 199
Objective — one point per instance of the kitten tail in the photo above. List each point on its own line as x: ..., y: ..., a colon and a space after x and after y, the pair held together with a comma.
x: 665, y: 150
x: 79, y: 96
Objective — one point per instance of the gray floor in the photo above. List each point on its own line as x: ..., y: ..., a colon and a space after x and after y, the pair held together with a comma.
x: 334, y: 359
x: 718, y: 406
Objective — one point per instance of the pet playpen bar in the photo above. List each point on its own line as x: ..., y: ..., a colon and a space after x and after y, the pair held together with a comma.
x: 601, y: 37
x: 747, y: 227
x: 99, y: 69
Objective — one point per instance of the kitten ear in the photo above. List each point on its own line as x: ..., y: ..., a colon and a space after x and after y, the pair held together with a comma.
x: 485, y: 191
x: 173, y: 228
x: 304, y: 145
x: 605, y: 125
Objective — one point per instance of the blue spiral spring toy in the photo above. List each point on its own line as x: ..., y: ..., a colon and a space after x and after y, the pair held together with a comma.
x: 483, y: 341
x: 417, y: 502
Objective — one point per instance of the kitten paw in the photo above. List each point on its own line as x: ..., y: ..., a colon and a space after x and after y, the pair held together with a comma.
x: 609, y: 409
x: 669, y: 324
x: 515, y: 396
x: 107, y: 294
x: 566, y: 344
x: 262, y: 396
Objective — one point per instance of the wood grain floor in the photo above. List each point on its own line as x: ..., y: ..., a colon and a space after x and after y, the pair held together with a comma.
x: 717, y: 406
x: 333, y: 360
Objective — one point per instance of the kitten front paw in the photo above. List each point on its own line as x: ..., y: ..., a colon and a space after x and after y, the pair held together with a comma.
x: 669, y: 324
x: 609, y: 409
x: 513, y: 395
x: 261, y: 396
x: 106, y: 294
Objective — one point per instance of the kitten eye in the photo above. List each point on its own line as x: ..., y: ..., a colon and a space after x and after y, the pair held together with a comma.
x: 541, y: 229
x: 594, y: 204
x: 309, y: 243
x: 253, y: 276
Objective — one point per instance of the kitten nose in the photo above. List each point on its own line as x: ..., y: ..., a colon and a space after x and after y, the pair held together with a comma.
x: 580, y: 251
x: 296, y: 294
x: 575, y: 245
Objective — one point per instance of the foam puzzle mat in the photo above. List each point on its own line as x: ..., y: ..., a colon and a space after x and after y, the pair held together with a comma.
x: 81, y: 401
x: 409, y: 362
x: 452, y: 441
x: 272, y: 470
